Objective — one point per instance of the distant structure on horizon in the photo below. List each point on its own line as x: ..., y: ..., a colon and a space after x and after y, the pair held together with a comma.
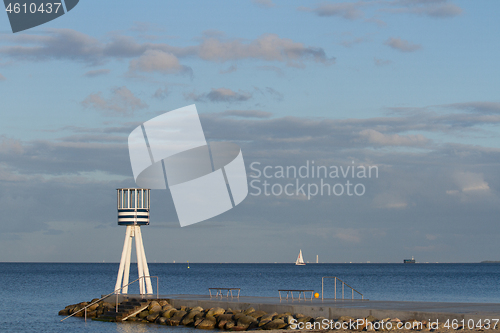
x: 133, y: 211
x: 409, y: 261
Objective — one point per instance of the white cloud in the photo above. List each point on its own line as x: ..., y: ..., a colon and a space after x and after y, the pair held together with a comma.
x: 470, y: 182
x: 156, y: 61
x: 121, y: 102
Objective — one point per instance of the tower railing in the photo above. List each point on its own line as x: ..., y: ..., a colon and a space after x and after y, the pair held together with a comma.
x: 343, y: 284
x: 114, y: 292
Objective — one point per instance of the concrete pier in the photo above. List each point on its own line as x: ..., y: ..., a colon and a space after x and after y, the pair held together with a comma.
x: 333, y: 309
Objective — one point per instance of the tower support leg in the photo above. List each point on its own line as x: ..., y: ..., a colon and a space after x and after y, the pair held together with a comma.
x: 138, y: 251
x: 145, y: 268
x: 127, y: 264
x: 122, y: 280
x: 123, y: 259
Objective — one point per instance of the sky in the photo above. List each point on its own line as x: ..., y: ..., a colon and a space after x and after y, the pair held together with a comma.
x: 405, y: 88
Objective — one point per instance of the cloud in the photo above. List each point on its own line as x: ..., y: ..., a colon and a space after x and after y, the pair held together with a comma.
x: 157, y: 61
x: 97, y: 72
x: 158, y: 57
x: 470, y: 181
x: 55, y: 44
x: 356, y: 10
x: 269, y: 47
x: 412, y: 182
x: 436, y: 9
x: 246, y: 114
x: 347, y: 10
x: 122, y: 102
x: 381, y: 62
x: 218, y: 95
x: 161, y: 93
x: 2, y: 78
x: 479, y: 107
x: 378, y: 138
x: 231, y: 69
x: 402, y: 45
x: 264, y: 3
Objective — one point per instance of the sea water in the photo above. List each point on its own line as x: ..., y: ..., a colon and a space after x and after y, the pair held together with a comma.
x: 31, y: 294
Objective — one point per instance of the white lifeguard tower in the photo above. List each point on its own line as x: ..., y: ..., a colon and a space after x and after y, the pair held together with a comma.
x: 133, y: 211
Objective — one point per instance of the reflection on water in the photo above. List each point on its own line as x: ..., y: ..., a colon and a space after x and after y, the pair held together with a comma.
x: 134, y: 327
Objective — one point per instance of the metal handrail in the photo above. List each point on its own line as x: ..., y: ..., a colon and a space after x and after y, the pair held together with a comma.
x: 343, y: 283
x: 114, y: 292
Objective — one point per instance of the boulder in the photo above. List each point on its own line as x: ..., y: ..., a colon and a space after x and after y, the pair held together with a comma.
x: 207, y: 324
x: 92, y: 307
x: 197, y: 308
x: 304, y: 319
x: 199, y: 315
x: 298, y: 315
x: 163, y: 302
x: 249, y: 310
x: 161, y: 321
x: 229, y: 325
x: 92, y: 314
x: 268, y: 317
x: 275, y: 325
x: 223, y: 319
x: 155, y: 309
x: 263, y: 322
x: 346, y: 318
x: 257, y: 314
x: 168, y: 313
x: 361, y: 325
x: 167, y: 307
x: 152, y: 317
x: 189, y: 318
x: 64, y: 312
x: 143, y: 314
x: 238, y: 316
x: 214, y: 312
x: 176, y: 319
x: 247, y: 320
x: 152, y: 304
x: 371, y: 318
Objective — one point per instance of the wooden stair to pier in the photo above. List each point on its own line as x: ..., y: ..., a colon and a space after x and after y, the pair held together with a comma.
x: 125, y: 310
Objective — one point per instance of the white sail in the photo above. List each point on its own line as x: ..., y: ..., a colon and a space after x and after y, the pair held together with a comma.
x: 300, y: 260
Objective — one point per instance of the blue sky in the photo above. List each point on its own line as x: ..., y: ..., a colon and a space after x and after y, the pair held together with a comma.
x: 410, y: 86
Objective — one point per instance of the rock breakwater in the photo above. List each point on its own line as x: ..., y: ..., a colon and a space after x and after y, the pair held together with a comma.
x: 159, y: 311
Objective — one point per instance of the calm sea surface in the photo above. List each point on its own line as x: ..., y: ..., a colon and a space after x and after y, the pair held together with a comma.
x: 31, y: 294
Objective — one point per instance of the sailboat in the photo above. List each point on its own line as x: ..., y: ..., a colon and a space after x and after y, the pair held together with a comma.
x: 300, y: 260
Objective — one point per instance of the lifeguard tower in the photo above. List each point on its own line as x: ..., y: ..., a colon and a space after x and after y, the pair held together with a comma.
x: 133, y: 212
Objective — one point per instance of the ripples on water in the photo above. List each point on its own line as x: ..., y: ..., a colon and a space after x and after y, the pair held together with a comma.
x: 31, y: 294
